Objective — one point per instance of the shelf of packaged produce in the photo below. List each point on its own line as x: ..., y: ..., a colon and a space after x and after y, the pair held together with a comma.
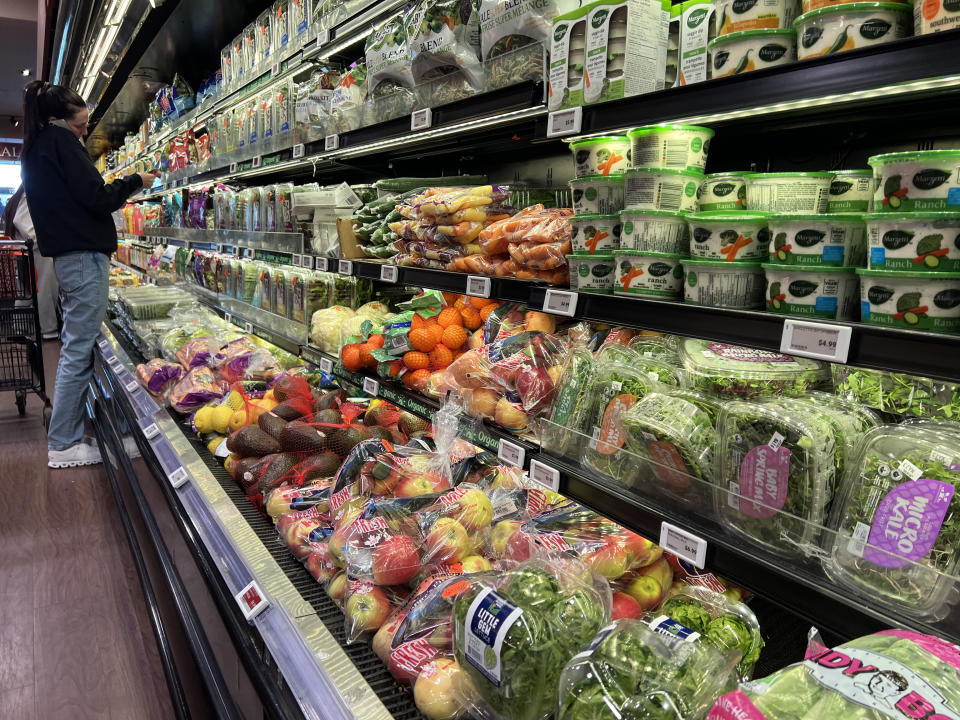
x: 508, y: 289
x: 301, y: 628
x: 130, y: 269
x: 482, y: 434
x: 899, y: 75
x: 351, y: 31
x: 281, y: 242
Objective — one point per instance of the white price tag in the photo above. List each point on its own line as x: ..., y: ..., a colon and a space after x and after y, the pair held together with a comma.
x: 248, y: 327
x: 320, y: 263
x: 564, y: 122
x: 249, y: 252
x: 257, y: 159
x: 421, y: 119
x: 233, y: 167
x: 103, y: 344
x: 220, y: 249
x: 478, y: 286
x: 178, y: 477
x: 326, y: 365
x: 151, y: 431
x: 132, y: 385
x: 545, y: 475
x: 113, y: 360
x: 228, y: 317
x: 345, y: 267
x: 251, y: 600
x: 560, y: 302
x: 816, y: 340
x: 371, y: 386
x: 389, y: 273
x: 297, y: 260
x: 298, y: 151
x: 776, y: 440
x: 683, y: 544
x: 323, y: 37
x: 306, y: 262
x: 910, y: 470
x: 511, y: 453
x: 276, y: 69
x: 331, y: 142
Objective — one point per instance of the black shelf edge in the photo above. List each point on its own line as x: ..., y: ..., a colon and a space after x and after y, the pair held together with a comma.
x: 916, y: 58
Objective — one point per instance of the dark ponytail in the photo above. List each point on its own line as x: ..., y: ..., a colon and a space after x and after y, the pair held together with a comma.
x: 42, y: 101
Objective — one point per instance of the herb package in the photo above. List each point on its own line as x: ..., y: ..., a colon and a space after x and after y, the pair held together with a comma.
x: 514, y: 633
x: 556, y: 435
x: 661, y: 348
x: 898, y: 517
x: 632, y: 671
x: 390, y: 79
x: 678, y: 439
x: 848, y: 420
x: 775, y: 473
x: 746, y: 372
x: 898, y: 393
x: 724, y: 623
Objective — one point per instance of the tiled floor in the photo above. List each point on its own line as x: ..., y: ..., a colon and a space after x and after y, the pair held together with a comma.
x: 75, y: 639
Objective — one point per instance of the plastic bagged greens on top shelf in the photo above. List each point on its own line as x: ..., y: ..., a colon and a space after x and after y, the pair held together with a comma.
x: 347, y: 103
x: 631, y: 671
x: 898, y: 393
x: 775, y: 473
x: 312, y: 106
x: 724, y: 623
x: 825, y: 685
x: 746, y: 372
x: 679, y: 440
x: 390, y: 78
x: 514, y: 632
x: 444, y: 50
x: 898, y: 517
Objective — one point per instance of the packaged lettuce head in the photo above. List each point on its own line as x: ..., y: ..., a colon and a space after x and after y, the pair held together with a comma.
x: 715, y: 619
x: 513, y: 633
x: 678, y: 439
x: 444, y: 41
x: 893, y: 673
x: 631, y: 671
x: 892, y: 392
x: 898, y: 540
x: 775, y: 473
x: 747, y: 372
x: 390, y: 77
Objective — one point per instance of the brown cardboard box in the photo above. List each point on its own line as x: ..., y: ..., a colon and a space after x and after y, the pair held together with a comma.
x: 349, y: 249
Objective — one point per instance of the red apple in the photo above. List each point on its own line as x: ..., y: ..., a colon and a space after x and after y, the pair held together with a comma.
x: 395, y: 561
x: 646, y: 591
x: 610, y: 560
x: 447, y: 541
x: 501, y: 533
x: 297, y: 537
x: 408, y: 659
x: 640, y: 551
x: 383, y: 639
x: 367, y: 609
x: 413, y: 485
x: 520, y: 547
x: 436, y: 688
x: 534, y: 387
x: 320, y: 564
x: 624, y: 606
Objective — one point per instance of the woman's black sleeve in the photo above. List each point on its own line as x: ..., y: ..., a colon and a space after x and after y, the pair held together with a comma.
x: 85, y: 183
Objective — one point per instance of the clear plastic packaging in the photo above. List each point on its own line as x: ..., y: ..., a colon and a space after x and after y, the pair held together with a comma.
x: 746, y: 372
x: 897, y: 538
x: 892, y: 392
x: 775, y: 473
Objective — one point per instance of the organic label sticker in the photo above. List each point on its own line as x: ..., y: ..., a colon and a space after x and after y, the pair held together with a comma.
x: 764, y: 481
x: 668, y: 464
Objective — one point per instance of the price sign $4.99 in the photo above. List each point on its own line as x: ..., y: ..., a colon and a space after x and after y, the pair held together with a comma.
x: 821, y: 341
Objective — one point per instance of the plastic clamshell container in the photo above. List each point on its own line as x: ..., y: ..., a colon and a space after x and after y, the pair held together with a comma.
x: 661, y: 189
x: 775, y: 473
x: 851, y: 26
x: 749, y: 50
x: 851, y: 191
x: 914, y: 241
x: 591, y: 273
x: 838, y: 240
x: 678, y: 439
x: 597, y: 194
x: 601, y: 155
x: 912, y: 181
x: 849, y: 421
x: 722, y: 191
x: 910, y: 300
x: 736, y: 15
x: 717, y: 283
x: 591, y: 234
x: 799, y: 193
x: 651, y: 346
x: 728, y: 237
x: 812, y: 291
x: 893, y: 543
x: 654, y: 231
x: 654, y: 274
x: 890, y: 392
x: 742, y: 372
x: 930, y: 16
x: 680, y: 147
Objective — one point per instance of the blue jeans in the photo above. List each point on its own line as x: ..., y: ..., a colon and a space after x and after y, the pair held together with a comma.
x: 84, y: 283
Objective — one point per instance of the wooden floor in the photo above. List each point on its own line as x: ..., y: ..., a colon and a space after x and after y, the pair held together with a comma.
x: 75, y: 639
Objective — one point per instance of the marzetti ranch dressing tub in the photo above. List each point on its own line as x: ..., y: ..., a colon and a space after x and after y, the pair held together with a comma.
x: 788, y: 193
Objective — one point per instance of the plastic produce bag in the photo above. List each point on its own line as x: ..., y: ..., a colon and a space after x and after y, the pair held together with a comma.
x: 893, y: 673
x: 298, y: 497
x: 390, y: 78
x: 630, y: 671
x: 198, y: 387
x: 159, y: 376
x: 366, y: 607
x: 347, y: 102
x: 535, y: 225
x: 445, y: 50
x: 325, y: 327
x: 513, y: 633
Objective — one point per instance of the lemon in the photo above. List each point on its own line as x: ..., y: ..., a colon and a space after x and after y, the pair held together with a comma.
x: 233, y: 400
x: 221, y: 418
x: 203, y: 420
x: 237, y: 420
x: 214, y: 443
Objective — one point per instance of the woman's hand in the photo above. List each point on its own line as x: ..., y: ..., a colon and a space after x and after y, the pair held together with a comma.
x: 147, y: 179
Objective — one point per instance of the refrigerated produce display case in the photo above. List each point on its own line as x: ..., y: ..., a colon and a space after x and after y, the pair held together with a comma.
x: 417, y: 325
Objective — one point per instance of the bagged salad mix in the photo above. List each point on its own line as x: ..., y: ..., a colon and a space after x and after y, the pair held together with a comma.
x: 444, y: 44
x: 390, y: 79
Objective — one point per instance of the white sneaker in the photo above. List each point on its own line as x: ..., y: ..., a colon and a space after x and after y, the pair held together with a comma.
x: 130, y: 447
x: 79, y: 454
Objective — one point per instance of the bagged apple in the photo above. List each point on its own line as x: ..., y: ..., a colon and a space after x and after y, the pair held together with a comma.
x: 301, y: 531
x: 373, y: 551
x: 439, y: 688
x: 366, y: 607
x: 320, y: 564
x: 284, y: 500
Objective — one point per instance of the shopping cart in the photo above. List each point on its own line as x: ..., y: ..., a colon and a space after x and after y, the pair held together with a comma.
x: 21, y: 347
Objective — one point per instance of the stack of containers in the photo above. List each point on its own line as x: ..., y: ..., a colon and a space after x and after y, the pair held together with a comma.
x: 660, y: 190
x: 752, y: 36
x: 827, y: 27
x: 913, y: 277
x: 597, y: 193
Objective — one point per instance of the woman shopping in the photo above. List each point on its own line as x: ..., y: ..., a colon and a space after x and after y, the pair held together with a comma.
x: 71, y: 208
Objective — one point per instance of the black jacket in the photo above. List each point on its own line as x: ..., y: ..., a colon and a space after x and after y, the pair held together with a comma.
x: 68, y: 200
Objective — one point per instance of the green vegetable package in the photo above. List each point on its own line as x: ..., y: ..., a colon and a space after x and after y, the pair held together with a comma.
x: 892, y: 674
x: 514, y: 633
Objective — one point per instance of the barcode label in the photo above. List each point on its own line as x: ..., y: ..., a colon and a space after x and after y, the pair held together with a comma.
x: 326, y: 365
x: 298, y: 151
x: 858, y: 541
x: 776, y: 441
x: 331, y: 142
x: 670, y: 195
x: 910, y: 470
x: 478, y: 286
x: 103, y: 344
x: 511, y: 453
x: 683, y: 544
x: 545, y: 475
x: 733, y: 497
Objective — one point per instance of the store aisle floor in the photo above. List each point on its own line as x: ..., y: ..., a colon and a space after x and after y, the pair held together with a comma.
x: 75, y: 638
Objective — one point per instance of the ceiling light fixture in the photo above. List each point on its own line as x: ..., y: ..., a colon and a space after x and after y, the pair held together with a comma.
x: 14, y: 121
x: 25, y: 72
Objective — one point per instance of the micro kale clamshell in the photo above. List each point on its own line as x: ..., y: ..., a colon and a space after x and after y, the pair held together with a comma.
x: 898, y: 517
x: 775, y: 473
